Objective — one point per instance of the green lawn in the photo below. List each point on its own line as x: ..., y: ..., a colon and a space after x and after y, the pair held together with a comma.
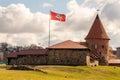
x: 63, y: 73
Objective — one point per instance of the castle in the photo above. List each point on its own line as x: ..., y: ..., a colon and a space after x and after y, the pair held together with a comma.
x: 68, y: 52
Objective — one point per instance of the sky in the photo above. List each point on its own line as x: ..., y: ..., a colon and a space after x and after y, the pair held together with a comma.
x: 26, y: 22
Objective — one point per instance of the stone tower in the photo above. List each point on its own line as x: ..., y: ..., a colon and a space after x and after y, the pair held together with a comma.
x: 98, y: 42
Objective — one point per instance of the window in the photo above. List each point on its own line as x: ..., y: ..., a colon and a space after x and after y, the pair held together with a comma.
x: 100, y: 54
x: 103, y: 46
x: 61, y: 61
x: 96, y: 46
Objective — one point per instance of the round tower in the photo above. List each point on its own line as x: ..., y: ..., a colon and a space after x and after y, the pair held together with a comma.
x: 98, y: 42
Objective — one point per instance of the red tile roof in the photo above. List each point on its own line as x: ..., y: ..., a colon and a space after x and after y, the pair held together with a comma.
x: 33, y: 51
x: 28, y: 52
x: 97, y: 30
x: 67, y: 45
x: 12, y: 55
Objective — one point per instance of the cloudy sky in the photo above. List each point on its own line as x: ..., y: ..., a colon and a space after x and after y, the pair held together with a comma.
x: 25, y: 22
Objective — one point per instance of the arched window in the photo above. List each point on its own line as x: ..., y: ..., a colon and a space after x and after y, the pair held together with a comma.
x: 96, y: 46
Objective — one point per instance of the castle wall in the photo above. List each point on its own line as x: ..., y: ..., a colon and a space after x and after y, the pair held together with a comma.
x: 28, y: 60
x: 67, y: 56
x: 54, y: 57
x: 1, y: 56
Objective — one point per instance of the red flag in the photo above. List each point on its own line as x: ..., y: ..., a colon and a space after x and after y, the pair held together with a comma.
x: 57, y: 16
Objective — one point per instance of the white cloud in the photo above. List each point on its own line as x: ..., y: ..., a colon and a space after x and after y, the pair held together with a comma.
x: 23, y: 39
x: 81, y: 17
x: 78, y: 20
x: 18, y: 25
x: 18, y: 18
x: 47, y: 5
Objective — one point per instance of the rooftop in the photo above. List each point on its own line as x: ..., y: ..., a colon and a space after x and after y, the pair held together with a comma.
x: 28, y: 52
x: 67, y: 45
x: 97, y: 30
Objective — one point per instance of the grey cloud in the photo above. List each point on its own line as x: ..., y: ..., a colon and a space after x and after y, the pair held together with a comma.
x: 112, y: 10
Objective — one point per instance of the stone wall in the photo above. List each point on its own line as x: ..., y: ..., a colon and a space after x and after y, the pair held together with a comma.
x: 11, y: 61
x: 28, y: 60
x: 67, y: 56
x: 54, y: 57
x: 1, y: 56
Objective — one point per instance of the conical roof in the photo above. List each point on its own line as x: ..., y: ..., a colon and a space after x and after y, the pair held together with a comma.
x: 97, y: 30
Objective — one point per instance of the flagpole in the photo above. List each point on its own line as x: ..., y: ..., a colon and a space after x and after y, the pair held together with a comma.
x: 57, y: 17
x: 49, y: 30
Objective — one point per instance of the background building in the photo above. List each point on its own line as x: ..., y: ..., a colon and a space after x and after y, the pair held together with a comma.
x: 118, y: 52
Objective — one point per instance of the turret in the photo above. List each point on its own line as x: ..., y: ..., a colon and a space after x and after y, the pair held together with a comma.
x: 98, y: 41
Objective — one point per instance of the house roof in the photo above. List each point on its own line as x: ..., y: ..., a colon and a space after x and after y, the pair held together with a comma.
x: 97, y: 30
x: 28, y: 52
x: 67, y: 45
x: 12, y: 55
x: 32, y: 52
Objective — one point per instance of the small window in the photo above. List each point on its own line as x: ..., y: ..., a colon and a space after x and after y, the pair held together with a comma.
x: 96, y: 46
x: 103, y: 46
x: 68, y: 61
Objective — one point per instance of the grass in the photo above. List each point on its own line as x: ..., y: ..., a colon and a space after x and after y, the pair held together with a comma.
x: 63, y: 73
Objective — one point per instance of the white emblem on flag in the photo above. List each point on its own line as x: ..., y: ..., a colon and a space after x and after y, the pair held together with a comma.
x: 58, y: 16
